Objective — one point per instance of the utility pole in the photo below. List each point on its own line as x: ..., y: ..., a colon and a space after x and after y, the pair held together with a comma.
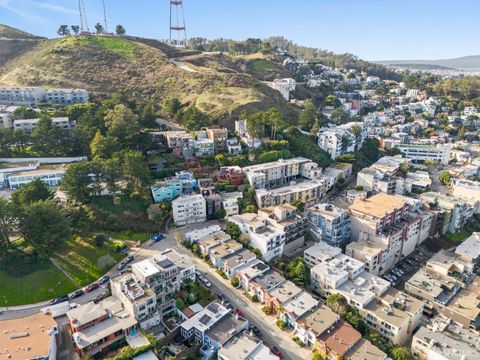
x: 177, y: 23
x: 105, y: 16
x: 83, y: 16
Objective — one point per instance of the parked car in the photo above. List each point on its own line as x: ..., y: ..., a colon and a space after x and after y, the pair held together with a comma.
x: 158, y: 238
x: 100, y: 297
x: 129, y: 259
x: 206, y: 283
x: 256, y: 331
x: 276, y: 352
x: 121, y: 266
x: 91, y: 287
x: 104, y: 280
x: 198, y: 274
x: 59, y: 300
x: 77, y: 294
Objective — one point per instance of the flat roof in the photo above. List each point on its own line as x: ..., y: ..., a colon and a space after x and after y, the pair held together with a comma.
x: 223, y: 330
x: 26, y: 337
x: 470, y: 247
x: 40, y: 171
x: 285, y: 291
x: 323, y: 251
x: 145, y: 268
x: 320, y: 319
x: 300, y: 304
x: 378, y: 205
x: 239, y: 258
x: 388, y: 313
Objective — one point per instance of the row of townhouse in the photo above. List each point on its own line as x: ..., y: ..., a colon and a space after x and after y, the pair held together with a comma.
x: 207, y: 142
x: 28, y: 125
x: 386, y: 228
x: 141, y: 298
x: 394, y: 314
x: 338, y: 140
x: 33, y: 96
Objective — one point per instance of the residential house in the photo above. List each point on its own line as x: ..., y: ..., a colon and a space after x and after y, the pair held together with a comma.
x: 245, y: 347
x: 313, y: 324
x: 234, y: 174
x: 183, y: 183
x: 189, y: 209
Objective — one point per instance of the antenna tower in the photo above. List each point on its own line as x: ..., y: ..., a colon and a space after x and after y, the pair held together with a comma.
x: 177, y: 23
x: 83, y: 16
x: 105, y: 16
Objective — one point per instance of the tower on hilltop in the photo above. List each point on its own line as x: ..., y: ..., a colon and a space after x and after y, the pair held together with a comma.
x: 178, y: 30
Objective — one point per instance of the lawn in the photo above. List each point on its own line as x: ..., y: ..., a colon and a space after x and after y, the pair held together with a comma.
x: 45, y: 283
x: 84, y: 261
x: 266, y: 70
x: 130, y: 235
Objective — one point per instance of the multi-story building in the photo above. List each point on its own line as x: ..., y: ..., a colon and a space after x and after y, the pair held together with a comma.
x: 250, y: 271
x: 449, y: 287
x: 467, y: 190
x: 338, y: 140
x: 196, y: 234
x: 234, y: 174
x: 204, y: 147
x: 296, y: 307
x: 236, y: 261
x: 189, y: 209
x: 182, y: 183
x: 284, y: 86
x: 329, y: 223
x: 230, y: 202
x: 96, y: 327
x: 245, y: 138
x: 148, y: 290
x: 33, y: 96
x: 50, y: 175
x: 6, y: 121
x: 307, y: 192
x: 420, y: 153
x: 217, y: 253
x: 219, y: 137
x: 31, y: 337
x: 442, y: 339
x: 320, y: 252
x: 469, y: 250
x: 268, y: 239
x: 387, y: 228
x: 234, y: 147
x: 450, y: 214
x: 27, y: 125
x: 309, y: 327
x: 287, y: 219
x: 178, y: 141
x: 336, y: 343
x: 262, y: 285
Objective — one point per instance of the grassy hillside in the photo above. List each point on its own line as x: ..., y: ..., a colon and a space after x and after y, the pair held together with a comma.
x: 105, y: 65
x: 15, y: 42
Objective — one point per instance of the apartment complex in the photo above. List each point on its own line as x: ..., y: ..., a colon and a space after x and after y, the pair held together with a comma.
x: 284, y: 86
x: 419, y: 153
x: 268, y: 239
x: 449, y: 287
x: 338, y: 140
x: 388, y: 228
x: 50, y: 175
x: 450, y: 214
x: 330, y: 224
x: 467, y: 190
x: 442, y: 338
x: 287, y: 219
x: 33, y: 96
x: 219, y: 137
x: 29, y: 338
x: 182, y: 183
x: 189, y: 209
x: 27, y: 125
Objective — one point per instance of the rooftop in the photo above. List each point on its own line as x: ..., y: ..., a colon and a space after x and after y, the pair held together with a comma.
x: 246, y: 346
x: 320, y: 319
x: 322, y: 251
x: 365, y: 350
x: 26, y: 337
x: 470, y: 247
x: 300, y: 304
x: 269, y: 280
x: 225, y: 248
x: 378, y: 205
x: 239, y: 258
x: 388, y: 313
x: 223, y: 330
x: 339, y: 340
x: 285, y: 291
x: 327, y: 210
x: 206, y: 318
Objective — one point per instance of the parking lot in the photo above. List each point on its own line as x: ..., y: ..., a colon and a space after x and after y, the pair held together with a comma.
x: 407, y: 267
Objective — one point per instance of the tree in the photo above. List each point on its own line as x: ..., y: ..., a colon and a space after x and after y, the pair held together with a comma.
x: 75, y: 29
x: 250, y: 209
x: 405, y: 167
x: 112, y: 172
x: 103, y: 147
x: 219, y: 214
x: 124, y: 126
x: 316, y: 356
x: 445, y: 178
x: 308, y: 117
x: 338, y: 304
x: 99, y: 28
x: 180, y: 304
x: 49, y: 139
x: 76, y: 182
x: 136, y: 173
x: 63, y: 30
x: 43, y: 225
x: 172, y: 107
x: 298, y: 272
x: 400, y: 353
x: 235, y: 281
x: 120, y: 30
x: 233, y: 230
x: 35, y: 191
x: 7, y: 222
x: 461, y: 132
x: 148, y: 115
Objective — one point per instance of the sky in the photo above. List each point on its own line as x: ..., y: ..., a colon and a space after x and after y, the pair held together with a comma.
x: 370, y: 29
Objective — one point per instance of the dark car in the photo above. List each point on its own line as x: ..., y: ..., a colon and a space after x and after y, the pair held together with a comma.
x: 129, y: 259
x: 91, y: 287
x: 121, y: 266
x: 77, y: 294
x: 158, y: 237
x: 59, y: 300
x: 104, y: 280
x: 256, y: 331
x: 276, y: 352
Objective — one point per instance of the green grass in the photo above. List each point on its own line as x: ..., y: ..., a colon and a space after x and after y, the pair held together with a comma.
x: 129, y: 235
x: 45, y: 283
x: 117, y: 45
x: 263, y: 69
x: 84, y: 261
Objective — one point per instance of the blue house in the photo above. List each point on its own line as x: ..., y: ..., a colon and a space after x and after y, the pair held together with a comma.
x: 182, y: 183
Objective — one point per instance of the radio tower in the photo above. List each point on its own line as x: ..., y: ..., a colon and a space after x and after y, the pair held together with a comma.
x: 83, y: 16
x: 105, y: 16
x: 177, y: 23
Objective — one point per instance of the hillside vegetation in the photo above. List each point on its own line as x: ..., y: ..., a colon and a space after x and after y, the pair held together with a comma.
x: 105, y: 65
x: 15, y: 42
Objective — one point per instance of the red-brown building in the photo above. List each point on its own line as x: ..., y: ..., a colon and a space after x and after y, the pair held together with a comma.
x: 232, y: 173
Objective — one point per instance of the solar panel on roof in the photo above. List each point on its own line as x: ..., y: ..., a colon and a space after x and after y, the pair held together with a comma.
x: 205, y: 319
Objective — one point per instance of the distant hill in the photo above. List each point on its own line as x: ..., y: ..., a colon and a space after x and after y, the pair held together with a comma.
x: 14, y: 42
x: 462, y: 63
x: 145, y: 68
